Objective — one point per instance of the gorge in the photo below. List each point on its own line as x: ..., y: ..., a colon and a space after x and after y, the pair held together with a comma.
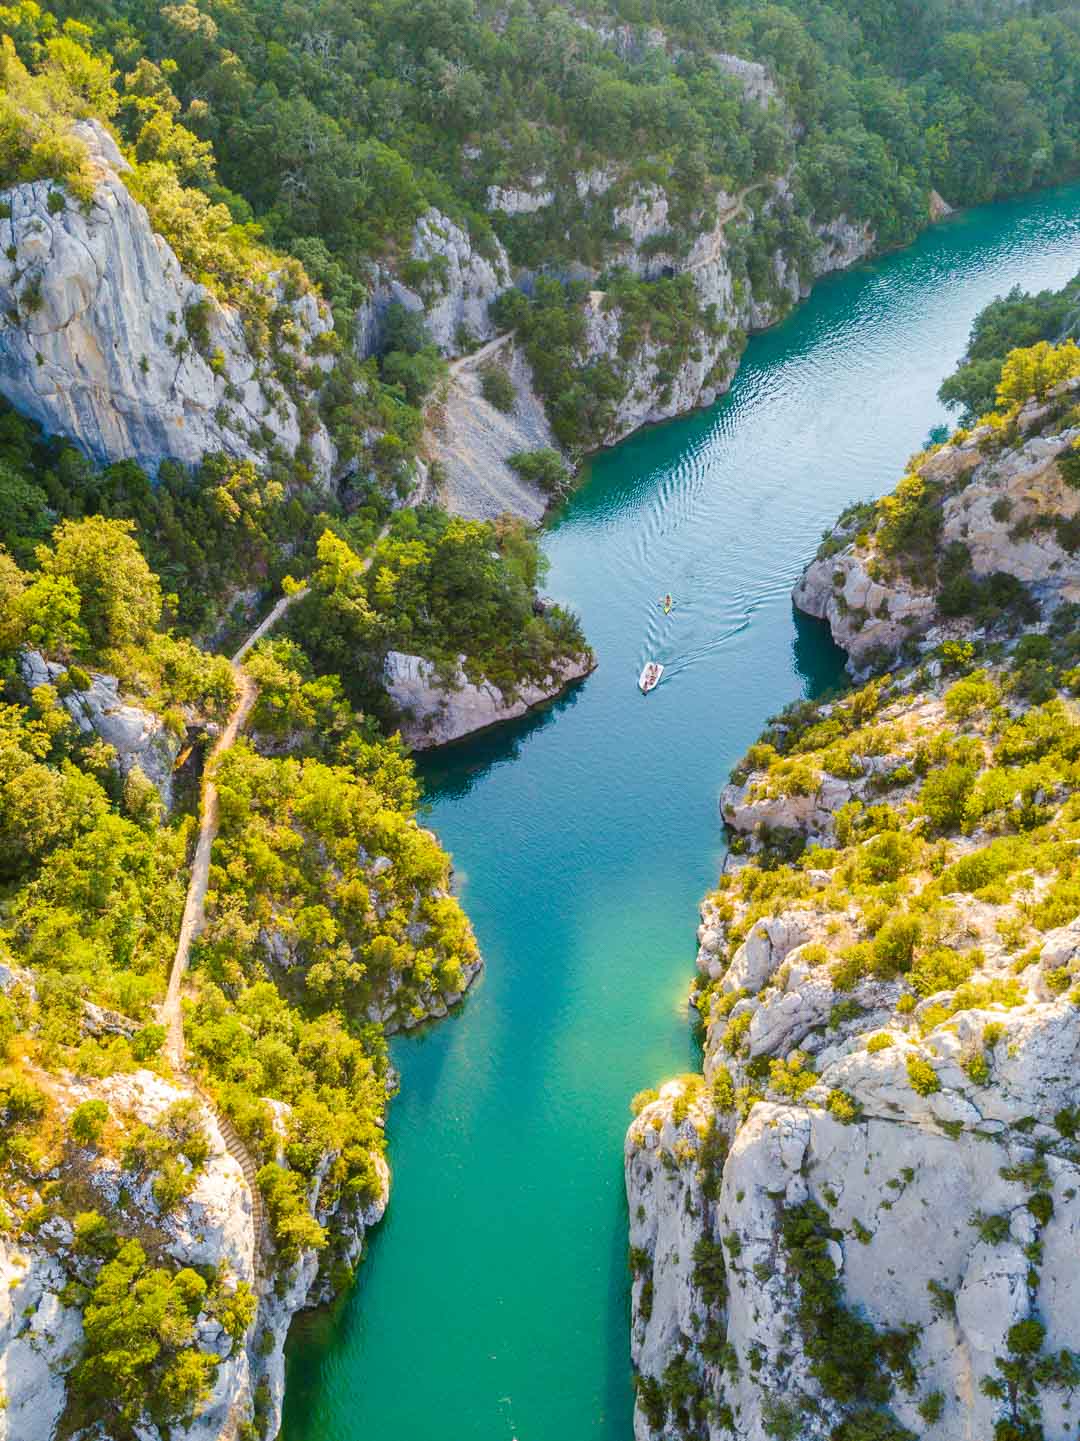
x: 496, y: 1290
x: 308, y: 315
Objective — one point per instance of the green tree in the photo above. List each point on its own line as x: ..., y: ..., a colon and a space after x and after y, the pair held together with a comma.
x: 120, y: 596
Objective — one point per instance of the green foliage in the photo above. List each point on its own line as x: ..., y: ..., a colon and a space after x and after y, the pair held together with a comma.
x: 710, y: 1271
x: 944, y: 795
x: 294, y: 1228
x: 497, y: 387
x: 1015, y: 320
x: 545, y: 468
x: 843, y: 1107
x: 87, y: 1122
x: 440, y: 587
x: 849, y: 1358
x: 922, y: 1076
x: 139, y: 1324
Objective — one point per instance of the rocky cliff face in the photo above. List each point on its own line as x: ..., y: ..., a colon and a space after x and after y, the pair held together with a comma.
x: 435, y: 711
x: 95, y: 341
x: 138, y: 736
x: 999, y: 495
x: 856, y: 1222
x: 457, y: 286
x: 879, y: 1158
x: 215, y: 1226
x: 657, y: 390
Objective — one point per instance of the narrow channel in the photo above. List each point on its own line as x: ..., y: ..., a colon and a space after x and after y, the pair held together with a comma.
x: 493, y: 1304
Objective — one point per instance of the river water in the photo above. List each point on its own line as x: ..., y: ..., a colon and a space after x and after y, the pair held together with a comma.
x: 493, y: 1303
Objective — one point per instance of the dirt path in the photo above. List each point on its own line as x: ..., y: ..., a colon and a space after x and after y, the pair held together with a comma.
x: 467, y: 362
x: 194, y: 917
x: 723, y: 220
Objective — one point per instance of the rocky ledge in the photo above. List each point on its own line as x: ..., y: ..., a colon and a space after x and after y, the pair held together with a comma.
x: 996, y: 496
x: 435, y: 709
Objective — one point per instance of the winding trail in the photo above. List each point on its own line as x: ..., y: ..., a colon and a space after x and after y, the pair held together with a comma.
x: 723, y: 220
x: 469, y: 362
x: 194, y: 917
x: 193, y: 920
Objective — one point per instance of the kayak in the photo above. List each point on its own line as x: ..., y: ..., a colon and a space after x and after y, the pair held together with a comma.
x: 650, y: 676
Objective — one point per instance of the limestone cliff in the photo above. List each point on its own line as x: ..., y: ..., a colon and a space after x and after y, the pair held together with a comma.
x: 106, y: 340
x: 435, y: 711
x: 858, y: 1221
x: 216, y: 1227
x: 996, y: 502
x: 447, y: 277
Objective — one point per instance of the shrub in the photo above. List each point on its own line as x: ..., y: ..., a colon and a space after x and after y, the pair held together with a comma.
x: 643, y: 1099
x: 944, y: 796
x: 497, y: 388
x: 88, y: 1121
x: 94, y: 1236
x: 932, y: 1407
x: 922, y: 1076
x: 977, y: 1068
x: 881, y: 1042
x: 894, y: 945
x: 992, y: 1229
x: 294, y: 1228
x: 941, y: 970
x: 544, y: 468
x: 843, y: 1107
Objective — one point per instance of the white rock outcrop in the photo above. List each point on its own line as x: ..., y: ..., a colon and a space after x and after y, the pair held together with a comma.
x: 517, y: 200
x: 999, y: 506
x: 138, y: 736
x: 461, y: 284
x: 436, y: 711
x: 213, y: 1227
x: 94, y: 342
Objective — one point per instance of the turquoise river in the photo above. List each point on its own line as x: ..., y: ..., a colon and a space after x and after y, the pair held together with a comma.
x: 493, y: 1303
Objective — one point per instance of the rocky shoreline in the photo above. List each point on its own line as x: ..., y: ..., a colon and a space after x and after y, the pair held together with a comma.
x: 856, y: 1221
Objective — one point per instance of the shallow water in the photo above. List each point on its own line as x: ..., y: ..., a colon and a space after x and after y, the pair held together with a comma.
x: 493, y: 1303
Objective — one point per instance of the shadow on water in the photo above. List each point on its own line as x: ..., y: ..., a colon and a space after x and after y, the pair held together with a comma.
x: 819, y: 662
x: 456, y: 769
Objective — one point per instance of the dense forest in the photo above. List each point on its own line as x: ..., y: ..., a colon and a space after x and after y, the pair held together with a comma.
x: 367, y: 108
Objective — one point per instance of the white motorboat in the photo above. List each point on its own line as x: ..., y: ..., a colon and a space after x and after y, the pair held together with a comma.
x: 650, y: 676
